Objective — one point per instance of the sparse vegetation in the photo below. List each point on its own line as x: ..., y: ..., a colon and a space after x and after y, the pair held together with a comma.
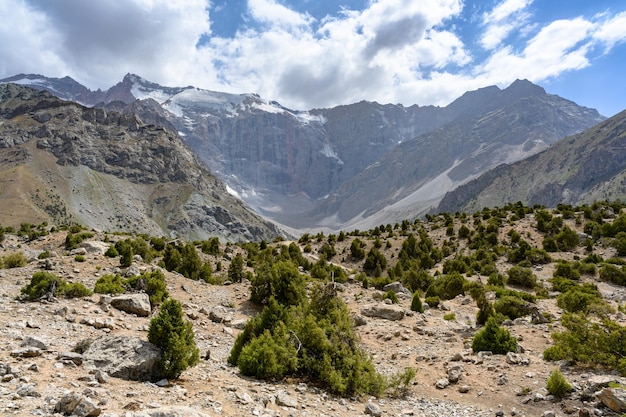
x: 47, y: 284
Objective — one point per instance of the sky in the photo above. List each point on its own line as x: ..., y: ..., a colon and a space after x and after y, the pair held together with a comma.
x: 321, y: 53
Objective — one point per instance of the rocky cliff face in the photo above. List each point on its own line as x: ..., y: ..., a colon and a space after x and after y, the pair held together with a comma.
x: 357, y: 165
x: 583, y: 168
x: 105, y: 169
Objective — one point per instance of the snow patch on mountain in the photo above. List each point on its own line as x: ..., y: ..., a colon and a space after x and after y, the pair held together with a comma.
x: 329, y: 152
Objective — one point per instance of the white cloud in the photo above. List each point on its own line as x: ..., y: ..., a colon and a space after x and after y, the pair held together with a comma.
x: 399, y: 51
x: 612, y: 31
x: 502, y: 20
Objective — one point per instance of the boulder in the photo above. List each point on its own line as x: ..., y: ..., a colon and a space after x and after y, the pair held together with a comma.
x: 221, y: 314
x: 384, y: 311
x: 76, y: 405
x: 396, y: 287
x: 124, y: 357
x: 94, y: 247
x: 138, y: 304
x: 34, y: 342
x: 613, y: 398
x: 373, y: 410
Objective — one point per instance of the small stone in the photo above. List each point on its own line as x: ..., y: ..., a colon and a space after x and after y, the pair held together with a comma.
x: 284, y: 399
x: 442, y: 383
x: 162, y: 383
x: 464, y: 389
x: 373, y: 410
x: 34, y: 342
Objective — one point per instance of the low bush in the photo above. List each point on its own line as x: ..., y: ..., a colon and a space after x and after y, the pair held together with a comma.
x: 522, y: 277
x: 314, y: 338
x: 494, y: 338
x: 15, y: 260
x: 44, y: 283
x: 416, y: 303
x: 110, y: 284
x: 153, y: 283
x: 591, y: 343
x: 511, y: 307
x: 557, y: 385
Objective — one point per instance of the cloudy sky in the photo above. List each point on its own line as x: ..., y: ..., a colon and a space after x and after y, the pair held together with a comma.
x: 321, y: 53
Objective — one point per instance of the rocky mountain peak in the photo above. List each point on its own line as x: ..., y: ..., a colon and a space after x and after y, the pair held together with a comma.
x: 108, y: 170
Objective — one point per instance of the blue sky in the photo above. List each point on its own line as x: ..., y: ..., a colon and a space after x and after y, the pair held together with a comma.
x: 321, y: 53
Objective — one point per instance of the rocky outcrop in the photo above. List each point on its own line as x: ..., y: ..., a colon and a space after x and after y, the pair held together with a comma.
x: 124, y: 357
x: 613, y: 398
x: 384, y: 311
x: 112, y: 172
x: 138, y: 304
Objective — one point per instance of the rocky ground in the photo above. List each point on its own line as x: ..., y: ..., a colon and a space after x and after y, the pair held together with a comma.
x: 37, y: 377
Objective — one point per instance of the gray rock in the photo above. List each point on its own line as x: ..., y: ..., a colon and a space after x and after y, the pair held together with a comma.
x: 138, y: 304
x: 464, y: 389
x: 454, y: 374
x: 548, y: 413
x: 34, y: 342
x: 67, y: 357
x: 285, y: 400
x: 124, y: 357
x: 442, y: 383
x: 26, y: 352
x: 243, y: 397
x: 384, y: 311
x: 359, y: 320
x: 396, y: 287
x: 517, y: 359
x: 101, y: 377
x: 373, y: 410
x: 76, y: 405
x: 28, y: 390
x: 94, y: 247
x: 613, y: 398
x: 221, y: 314
x: 132, y: 271
x: 5, y: 368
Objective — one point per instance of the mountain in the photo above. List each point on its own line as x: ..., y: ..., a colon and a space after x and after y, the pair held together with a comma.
x: 62, y: 162
x: 413, y: 177
x: 355, y: 165
x: 583, y: 168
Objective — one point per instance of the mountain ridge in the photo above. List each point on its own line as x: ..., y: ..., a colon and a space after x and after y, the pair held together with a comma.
x: 293, y: 166
x: 111, y: 171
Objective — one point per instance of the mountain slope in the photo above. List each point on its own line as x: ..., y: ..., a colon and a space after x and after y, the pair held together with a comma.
x: 62, y: 162
x: 356, y: 165
x: 413, y: 177
x: 583, y: 168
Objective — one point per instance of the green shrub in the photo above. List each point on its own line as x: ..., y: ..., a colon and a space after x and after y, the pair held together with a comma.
x: 522, y: 277
x: 557, y: 385
x: 73, y: 239
x: 45, y: 283
x: 269, y: 356
x: 153, y: 283
x: 110, y: 284
x: 432, y: 301
x: 416, y: 303
x: 44, y: 255
x: 496, y: 279
x: 235, y: 269
x: 315, y: 339
x: 494, y: 338
x: 511, y: 307
x: 76, y: 290
x: 449, y: 316
x: 79, y: 258
x: 15, y: 260
x: 280, y: 280
x: 175, y: 338
x: 446, y: 287
x: 391, y: 295
x: 611, y: 273
x: 596, y: 344
x: 398, y: 384
x: 111, y: 252
x: 579, y: 298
